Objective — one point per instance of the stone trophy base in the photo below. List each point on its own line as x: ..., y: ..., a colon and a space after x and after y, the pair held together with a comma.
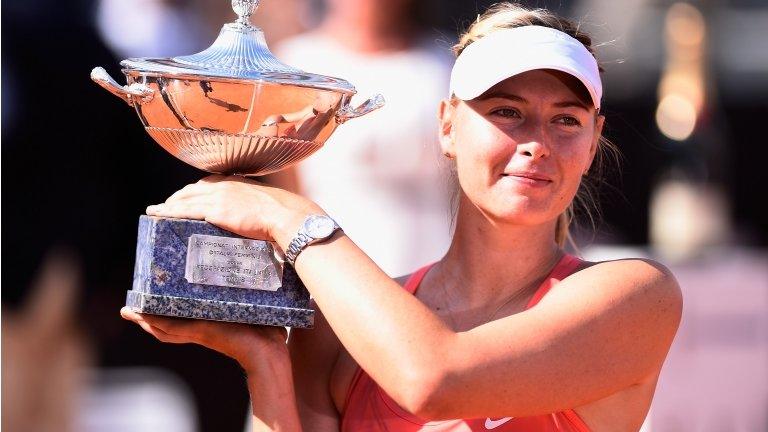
x: 192, y: 269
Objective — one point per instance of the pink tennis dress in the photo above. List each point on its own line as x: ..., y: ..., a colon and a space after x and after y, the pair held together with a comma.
x: 369, y: 409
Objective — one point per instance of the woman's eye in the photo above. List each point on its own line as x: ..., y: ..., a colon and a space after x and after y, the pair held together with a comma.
x: 568, y: 121
x: 505, y: 112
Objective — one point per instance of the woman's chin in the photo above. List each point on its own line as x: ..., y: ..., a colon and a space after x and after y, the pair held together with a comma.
x: 522, y: 215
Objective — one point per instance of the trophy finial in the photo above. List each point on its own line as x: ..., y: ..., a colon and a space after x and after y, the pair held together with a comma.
x: 244, y: 9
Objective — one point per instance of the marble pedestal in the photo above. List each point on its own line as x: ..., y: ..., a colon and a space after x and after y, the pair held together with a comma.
x: 192, y: 269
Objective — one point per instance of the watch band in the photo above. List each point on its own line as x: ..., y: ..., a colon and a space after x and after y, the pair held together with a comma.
x: 296, y: 246
x: 305, y: 236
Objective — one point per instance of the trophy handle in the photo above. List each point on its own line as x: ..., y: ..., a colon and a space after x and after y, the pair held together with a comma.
x: 347, y: 112
x: 134, y: 93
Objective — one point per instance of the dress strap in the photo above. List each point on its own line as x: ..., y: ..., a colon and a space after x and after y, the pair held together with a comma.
x: 567, y: 264
x: 415, y: 279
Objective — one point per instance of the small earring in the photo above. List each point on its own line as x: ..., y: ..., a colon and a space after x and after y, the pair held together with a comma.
x: 448, y: 155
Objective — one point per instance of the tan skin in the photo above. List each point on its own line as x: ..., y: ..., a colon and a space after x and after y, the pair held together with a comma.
x: 464, y: 346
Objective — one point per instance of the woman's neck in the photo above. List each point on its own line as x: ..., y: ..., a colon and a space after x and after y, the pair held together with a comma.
x: 490, y: 261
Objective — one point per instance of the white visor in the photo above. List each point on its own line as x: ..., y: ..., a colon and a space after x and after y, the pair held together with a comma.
x: 508, y: 52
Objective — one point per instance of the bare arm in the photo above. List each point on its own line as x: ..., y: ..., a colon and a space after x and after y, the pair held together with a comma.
x: 603, y: 329
x: 273, y: 399
x: 260, y: 350
x: 600, y: 331
x: 313, y: 356
x: 364, y: 306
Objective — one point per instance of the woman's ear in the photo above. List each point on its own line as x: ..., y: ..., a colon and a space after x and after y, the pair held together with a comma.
x: 599, y: 122
x: 445, y: 114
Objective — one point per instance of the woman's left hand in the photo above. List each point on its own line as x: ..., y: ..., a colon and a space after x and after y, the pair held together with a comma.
x: 246, y: 344
x: 245, y: 207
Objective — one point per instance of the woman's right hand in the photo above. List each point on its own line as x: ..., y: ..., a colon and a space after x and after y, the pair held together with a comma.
x: 246, y: 344
x: 260, y: 350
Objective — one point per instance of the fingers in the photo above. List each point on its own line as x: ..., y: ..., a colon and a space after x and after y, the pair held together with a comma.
x: 127, y: 313
x: 192, y: 190
x: 207, y: 186
x: 188, y: 330
x: 171, y: 330
x: 211, y: 185
x: 236, y: 204
x: 239, y: 341
x: 203, y: 186
x: 150, y: 323
x: 157, y: 332
x: 188, y: 209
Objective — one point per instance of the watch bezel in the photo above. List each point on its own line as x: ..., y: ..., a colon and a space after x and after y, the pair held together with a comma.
x: 306, y: 237
x: 319, y: 231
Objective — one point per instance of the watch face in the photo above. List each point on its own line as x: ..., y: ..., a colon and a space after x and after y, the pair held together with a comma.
x: 319, y: 226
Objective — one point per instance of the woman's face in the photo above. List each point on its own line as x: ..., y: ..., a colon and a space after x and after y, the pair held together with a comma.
x: 522, y: 147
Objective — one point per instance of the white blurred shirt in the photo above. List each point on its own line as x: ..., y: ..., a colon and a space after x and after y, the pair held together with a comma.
x: 378, y: 175
x: 151, y: 28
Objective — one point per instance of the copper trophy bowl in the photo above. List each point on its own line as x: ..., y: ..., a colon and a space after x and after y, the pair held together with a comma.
x: 234, y: 108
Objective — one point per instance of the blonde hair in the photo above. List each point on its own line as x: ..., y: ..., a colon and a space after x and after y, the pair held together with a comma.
x: 510, y: 15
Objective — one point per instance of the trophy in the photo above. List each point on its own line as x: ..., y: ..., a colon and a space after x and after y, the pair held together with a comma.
x: 231, y: 109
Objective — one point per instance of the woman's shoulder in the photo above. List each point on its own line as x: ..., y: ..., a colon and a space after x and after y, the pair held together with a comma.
x: 637, y: 283
x: 627, y: 310
x: 631, y: 271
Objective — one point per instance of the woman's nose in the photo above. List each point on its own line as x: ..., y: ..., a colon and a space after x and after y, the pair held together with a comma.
x: 532, y: 141
x: 534, y: 147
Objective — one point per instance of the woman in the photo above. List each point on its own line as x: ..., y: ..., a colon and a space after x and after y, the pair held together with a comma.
x: 505, y: 332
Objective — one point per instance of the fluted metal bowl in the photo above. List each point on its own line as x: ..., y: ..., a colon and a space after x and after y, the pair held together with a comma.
x: 234, y: 108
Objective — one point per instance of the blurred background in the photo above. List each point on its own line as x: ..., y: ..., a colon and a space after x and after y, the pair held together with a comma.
x: 686, y: 91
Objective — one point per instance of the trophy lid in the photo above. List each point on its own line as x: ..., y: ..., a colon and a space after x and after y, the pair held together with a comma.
x: 239, y: 53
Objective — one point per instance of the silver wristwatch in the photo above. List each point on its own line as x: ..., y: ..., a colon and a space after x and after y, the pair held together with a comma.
x: 315, y: 229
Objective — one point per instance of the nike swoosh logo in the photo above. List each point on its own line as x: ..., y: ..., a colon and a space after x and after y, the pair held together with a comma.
x: 493, y: 424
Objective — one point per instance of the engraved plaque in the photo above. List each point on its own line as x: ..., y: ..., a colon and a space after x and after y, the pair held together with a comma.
x: 232, y: 262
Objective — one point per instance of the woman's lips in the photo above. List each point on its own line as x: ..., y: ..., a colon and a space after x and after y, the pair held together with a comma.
x: 530, y: 179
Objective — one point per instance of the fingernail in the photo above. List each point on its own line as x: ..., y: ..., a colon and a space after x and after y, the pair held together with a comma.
x: 127, y: 312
